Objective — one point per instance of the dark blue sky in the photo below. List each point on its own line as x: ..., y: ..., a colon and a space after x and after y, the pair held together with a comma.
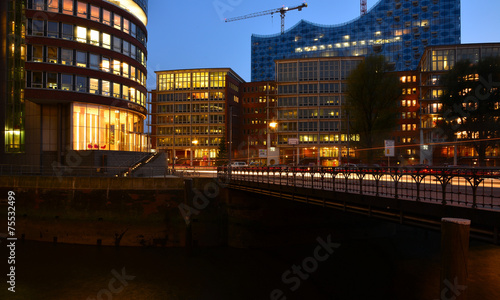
x: 192, y: 33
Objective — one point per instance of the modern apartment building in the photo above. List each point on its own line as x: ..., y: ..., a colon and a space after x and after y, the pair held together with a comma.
x: 84, y: 78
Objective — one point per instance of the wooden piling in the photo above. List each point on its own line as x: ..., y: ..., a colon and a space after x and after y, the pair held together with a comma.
x: 454, y: 258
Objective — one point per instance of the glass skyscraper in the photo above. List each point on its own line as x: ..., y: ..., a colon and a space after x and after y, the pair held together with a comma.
x: 398, y: 29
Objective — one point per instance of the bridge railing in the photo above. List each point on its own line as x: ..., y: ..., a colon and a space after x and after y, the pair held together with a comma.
x: 472, y: 187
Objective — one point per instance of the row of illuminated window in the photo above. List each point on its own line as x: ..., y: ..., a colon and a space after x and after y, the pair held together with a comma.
x: 314, y: 70
x: 432, y: 108
x: 408, y: 79
x: 191, y: 108
x: 71, y: 57
x: 262, y: 99
x: 194, y: 119
x: 311, y: 101
x: 260, y: 88
x: 92, y: 12
x: 191, y: 80
x: 409, y: 91
x: 187, y: 130
x: 407, y: 140
x: 313, y: 88
x: 408, y: 127
x: 85, y: 35
x: 408, y: 115
x: 186, y: 97
x: 408, y: 103
x: 322, y: 126
x: 323, y: 113
x: 188, y: 142
x: 84, y: 84
x: 315, y: 138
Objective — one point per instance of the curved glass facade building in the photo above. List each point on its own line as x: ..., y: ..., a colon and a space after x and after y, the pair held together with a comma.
x: 85, y: 78
x: 397, y: 29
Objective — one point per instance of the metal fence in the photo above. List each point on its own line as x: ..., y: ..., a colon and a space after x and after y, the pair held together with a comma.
x: 471, y: 187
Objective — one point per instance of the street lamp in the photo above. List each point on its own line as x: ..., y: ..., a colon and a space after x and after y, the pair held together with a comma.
x: 272, y: 125
x: 194, y: 142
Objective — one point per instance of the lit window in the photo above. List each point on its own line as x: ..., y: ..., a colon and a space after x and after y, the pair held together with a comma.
x: 37, y: 55
x: 68, y: 7
x: 53, y: 6
x: 125, y: 70
x: 116, y: 90
x: 403, y: 79
x: 106, y: 17
x: 66, y: 82
x: 81, y: 59
x: 117, y: 22
x: 95, y: 13
x: 94, y: 86
x: 94, y: 37
x: 94, y: 61
x: 81, y: 9
x: 52, y: 55
x: 132, y: 73
x: 116, y: 67
x: 81, y: 84
x: 81, y: 34
x: 126, y: 26
x: 106, y: 41
x: 105, y: 64
x: 132, y: 94
x: 52, y: 81
x: 66, y: 56
x: 125, y: 92
x: 106, y: 88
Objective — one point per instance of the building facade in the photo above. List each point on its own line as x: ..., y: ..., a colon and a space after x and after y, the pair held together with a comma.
x: 436, y: 61
x: 310, y: 110
x: 398, y: 29
x: 85, y: 79
x: 259, y: 116
x: 192, y: 110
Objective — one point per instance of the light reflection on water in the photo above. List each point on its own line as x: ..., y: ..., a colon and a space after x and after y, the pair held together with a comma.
x: 404, y: 267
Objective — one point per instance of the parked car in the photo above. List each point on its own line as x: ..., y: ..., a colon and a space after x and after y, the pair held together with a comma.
x: 238, y: 164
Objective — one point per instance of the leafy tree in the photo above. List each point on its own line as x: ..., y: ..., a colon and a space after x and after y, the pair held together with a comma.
x: 372, y: 92
x: 222, y: 153
x: 471, y: 100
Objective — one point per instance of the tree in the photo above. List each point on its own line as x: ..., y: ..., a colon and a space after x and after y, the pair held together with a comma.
x: 222, y: 153
x: 471, y: 100
x: 372, y: 92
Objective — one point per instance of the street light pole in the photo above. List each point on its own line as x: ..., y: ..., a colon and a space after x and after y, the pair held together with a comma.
x: 230, y: 133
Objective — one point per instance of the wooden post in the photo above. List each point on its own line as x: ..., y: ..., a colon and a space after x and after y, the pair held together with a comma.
x: 454, y: 257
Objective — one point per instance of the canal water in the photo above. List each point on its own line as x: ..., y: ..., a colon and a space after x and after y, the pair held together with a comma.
x: 402, y: 263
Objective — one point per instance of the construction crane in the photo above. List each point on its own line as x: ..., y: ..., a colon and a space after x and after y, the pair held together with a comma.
x: 282, y: 10
x: 363, y: 7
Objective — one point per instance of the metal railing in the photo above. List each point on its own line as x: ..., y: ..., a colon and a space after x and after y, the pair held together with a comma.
x: 470, y: 187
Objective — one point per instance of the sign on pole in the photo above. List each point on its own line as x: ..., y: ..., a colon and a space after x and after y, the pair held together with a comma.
x: 293, y: 141
x: 262, y: 153
x: 389, y: 148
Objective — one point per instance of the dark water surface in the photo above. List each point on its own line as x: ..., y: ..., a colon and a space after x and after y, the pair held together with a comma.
x: 401, y: 265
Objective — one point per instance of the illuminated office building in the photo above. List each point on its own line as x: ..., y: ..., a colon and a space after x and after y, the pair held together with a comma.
x: 190, y: 114
x: 85, y: 79
x: 398, y: 29
x: 435, y: 62
x: 310, y: 109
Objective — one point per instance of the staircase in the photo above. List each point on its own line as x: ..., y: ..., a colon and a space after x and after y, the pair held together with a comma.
x: 152, y: 165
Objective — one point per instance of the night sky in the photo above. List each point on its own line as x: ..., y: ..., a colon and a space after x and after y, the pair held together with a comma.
x: 193, y: 34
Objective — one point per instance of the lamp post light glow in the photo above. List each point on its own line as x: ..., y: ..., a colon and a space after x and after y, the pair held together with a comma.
x: 195, y: 143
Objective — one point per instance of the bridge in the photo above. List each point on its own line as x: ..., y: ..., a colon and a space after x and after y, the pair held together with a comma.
x: 407, y: 195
